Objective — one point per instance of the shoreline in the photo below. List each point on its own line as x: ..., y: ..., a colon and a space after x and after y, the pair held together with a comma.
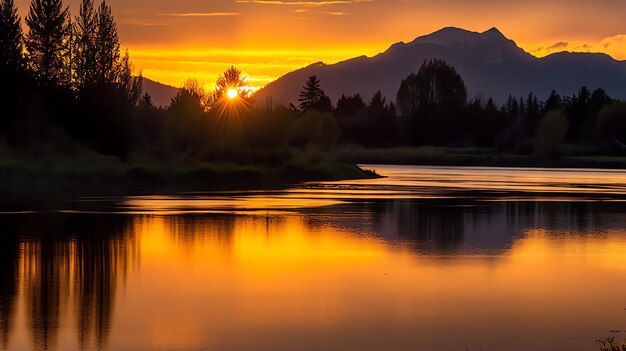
x: 435, y: 156
x: 167, y: 176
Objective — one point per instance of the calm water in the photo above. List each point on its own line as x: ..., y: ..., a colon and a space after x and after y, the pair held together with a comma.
x: 426, y: 259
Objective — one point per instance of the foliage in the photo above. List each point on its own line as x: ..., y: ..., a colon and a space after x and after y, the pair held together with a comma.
x: 313, y: 97
x: 315, y: 127
x: 47, y: 40
x: 436, y: 85
x: 233, y: 79
x: 435, y: 98
x: 107, y: 43
x: 609, y: 344
x: 12, y: 64
x: 551, y: 134
x: 611, y: 124
x: 11, y: 43
x: 84, y: 45
x: 75, y: 93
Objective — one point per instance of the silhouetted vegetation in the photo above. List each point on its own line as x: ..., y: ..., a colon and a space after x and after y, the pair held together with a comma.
x: 586, y: 129
x: 70, y: 94
x: 72, y: 106
x: 610, y: 344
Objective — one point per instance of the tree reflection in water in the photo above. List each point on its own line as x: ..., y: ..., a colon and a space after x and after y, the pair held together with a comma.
x: 61, y: 261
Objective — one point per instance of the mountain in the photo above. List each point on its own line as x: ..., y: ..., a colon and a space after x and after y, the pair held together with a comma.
x: 161, y: 94
x: 491, y: 65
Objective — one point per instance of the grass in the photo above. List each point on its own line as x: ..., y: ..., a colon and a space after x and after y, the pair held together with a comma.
x: 441, y: 156
x: 94, y: 171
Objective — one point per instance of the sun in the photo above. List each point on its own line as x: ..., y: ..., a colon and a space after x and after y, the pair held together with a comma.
x: 232, y: 93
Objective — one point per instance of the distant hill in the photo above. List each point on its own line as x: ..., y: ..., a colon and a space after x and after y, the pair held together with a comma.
x: 161, y: 94
x: 491, y: 65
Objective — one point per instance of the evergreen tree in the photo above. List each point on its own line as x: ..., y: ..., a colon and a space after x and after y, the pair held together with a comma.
x: 12, y: 64
x: 508, y: 107
x: 514, y: 109
x: 491, y: 106
x: 107, y: 56
x: 553, y: 103
x: 146, y: 101
x: 11, y: 44
x: 84, y: 51
x: 349, y: 106
x: 313, y: 97
x: 130, y: 86
x: 47, y: 41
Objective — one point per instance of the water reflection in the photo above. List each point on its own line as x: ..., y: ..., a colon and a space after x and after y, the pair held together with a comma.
x: 9, y: 254
x: 408, y: 267
x: 59, y: 262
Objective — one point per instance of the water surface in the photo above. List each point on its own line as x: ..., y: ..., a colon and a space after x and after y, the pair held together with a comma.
x: 430, y: 258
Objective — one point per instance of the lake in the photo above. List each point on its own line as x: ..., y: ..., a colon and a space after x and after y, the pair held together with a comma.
x: 428, y: 258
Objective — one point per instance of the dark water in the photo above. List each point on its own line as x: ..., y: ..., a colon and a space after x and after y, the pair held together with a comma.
x: 427, y: 259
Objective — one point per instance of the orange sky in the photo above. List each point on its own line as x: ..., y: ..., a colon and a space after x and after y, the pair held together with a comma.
x: 171, y: 41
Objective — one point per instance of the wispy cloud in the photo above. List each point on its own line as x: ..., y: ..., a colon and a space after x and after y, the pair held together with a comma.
x: 202, y: 14
x: 334, y: 13
x: 302, y: 3
x: 559, y: 45
x: 145, y: 24
x: 331, y: 13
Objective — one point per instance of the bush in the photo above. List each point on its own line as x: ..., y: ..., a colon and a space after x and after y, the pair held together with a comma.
x: 611, y: 125
x: 314, y: 127
x: 551, y: 135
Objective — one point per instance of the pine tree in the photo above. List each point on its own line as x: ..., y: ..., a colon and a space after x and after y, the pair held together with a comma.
x: 131, y: 86
x: 508, y: 108
x: 47, y: 40
x: 311, y: 94
x: 554, y: 102
x: 146, y: 101
x: 107, y: 43
x: 11, y: 40
x: 84, y: 50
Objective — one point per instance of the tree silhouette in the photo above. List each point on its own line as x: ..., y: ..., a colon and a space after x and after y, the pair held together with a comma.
x: 85, y: 50
x: 130, y: 86
x: 313, y: 97
x: 46, y: 40
x: 107, y: 42
x: 349, y: 106
x: 231, y: 79
x: 435, y: 85
x: 12, y: 63
x: 11, y: 45
x: 436, y: 98
x: 554, y: 102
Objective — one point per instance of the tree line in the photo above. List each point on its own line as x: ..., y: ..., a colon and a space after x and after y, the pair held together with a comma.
x: 66, y: 87
x: 432, y: 108
x: 65, y: 77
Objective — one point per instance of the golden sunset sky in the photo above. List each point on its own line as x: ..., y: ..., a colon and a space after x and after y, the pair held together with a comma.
x: 173, y: 40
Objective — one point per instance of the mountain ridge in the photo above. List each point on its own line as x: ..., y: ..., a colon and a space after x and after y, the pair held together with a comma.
x: 491, y: 64
x: 160, y: 93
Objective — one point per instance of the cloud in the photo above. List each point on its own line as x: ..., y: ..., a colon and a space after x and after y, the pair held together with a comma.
x: 558, y: 45
x: 145, y: 24
x: 202, y: 14
x: 302, y: 3
x: 330, y: 13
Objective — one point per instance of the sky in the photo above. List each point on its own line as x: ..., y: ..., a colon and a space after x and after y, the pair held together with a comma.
x: 174, y: 40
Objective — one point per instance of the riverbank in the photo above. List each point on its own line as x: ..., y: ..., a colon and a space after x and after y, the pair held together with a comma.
x: 440, y: 156
x: 106, y: 173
